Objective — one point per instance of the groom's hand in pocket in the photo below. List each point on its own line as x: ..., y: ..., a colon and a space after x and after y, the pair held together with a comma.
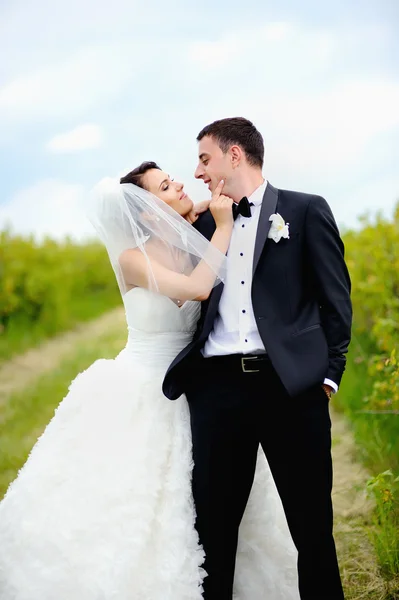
x: 327, y: 390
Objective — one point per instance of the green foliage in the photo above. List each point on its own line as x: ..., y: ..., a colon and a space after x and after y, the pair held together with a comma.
x: 373, y: 260
x: 384, y: 396
x: 48, y: 287
x: 385, y: 534
x: 370, y: 390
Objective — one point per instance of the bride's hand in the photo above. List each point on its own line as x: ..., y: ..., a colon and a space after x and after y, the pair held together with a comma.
x: 221, y: 207
x: 197, y: 209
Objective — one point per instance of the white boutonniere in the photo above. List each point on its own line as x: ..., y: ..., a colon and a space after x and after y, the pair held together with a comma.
x: 279, y: 228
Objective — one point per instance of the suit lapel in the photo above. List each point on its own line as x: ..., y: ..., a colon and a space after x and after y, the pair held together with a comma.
x: 209, y: 307
x: 212, y: 308
x: 269, y: 204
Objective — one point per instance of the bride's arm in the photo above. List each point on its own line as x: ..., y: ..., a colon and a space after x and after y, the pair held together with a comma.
x: 197, y: 210
x: 139, y: 270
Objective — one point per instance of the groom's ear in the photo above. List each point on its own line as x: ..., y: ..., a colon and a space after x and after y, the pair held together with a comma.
x: 236, y: 155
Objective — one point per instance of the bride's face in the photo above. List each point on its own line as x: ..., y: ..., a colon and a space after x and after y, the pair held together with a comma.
x: 171, y: 192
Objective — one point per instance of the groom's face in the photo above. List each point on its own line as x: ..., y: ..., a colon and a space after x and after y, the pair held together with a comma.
x: 213, y: 164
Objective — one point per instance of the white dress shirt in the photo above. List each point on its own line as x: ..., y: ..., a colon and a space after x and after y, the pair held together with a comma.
x: 234, y: 330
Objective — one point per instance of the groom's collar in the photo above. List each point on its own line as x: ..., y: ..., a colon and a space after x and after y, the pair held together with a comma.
x: 257, y: 196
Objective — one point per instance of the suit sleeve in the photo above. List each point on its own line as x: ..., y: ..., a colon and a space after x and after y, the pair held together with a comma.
x: 325, y: 251
x: 205, y: 224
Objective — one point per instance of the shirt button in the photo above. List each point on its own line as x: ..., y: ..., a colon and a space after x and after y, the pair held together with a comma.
x: 243, y: 310
x: 242, y: 225
x: 242, y: 282
x: 246, y: 341
x: 241, y: 254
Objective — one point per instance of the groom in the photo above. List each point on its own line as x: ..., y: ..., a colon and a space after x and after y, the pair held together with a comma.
x: 268, y: 352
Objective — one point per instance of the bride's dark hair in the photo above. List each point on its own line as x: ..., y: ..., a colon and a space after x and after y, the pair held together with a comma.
x: 137, y: 175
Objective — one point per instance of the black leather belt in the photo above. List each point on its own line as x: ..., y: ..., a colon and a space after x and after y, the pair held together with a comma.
x: 247, y: 363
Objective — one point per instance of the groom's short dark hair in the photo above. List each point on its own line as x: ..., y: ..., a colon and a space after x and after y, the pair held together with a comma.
x: 240, y: 131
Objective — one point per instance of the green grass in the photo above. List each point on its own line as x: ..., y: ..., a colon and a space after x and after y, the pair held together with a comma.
x: 22, y: 334
x: 377, y: 435
x: 377, y: 441
x: 359, y: 568
x: 24, y: 416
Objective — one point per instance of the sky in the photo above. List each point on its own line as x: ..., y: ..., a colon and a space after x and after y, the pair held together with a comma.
x: 90, y: 89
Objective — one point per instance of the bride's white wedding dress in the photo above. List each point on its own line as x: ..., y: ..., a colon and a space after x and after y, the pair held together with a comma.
x: 102, y: 509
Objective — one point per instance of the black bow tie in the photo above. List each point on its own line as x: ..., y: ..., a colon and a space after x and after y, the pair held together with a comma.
x: 243, y: 208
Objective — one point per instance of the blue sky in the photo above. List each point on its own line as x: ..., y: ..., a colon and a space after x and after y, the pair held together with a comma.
x: 92, y: 88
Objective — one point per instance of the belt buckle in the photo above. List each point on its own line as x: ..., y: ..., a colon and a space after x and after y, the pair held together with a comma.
x: 245, y: 358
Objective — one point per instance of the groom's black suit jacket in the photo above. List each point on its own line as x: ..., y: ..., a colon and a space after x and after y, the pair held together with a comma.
x: 300, y: 295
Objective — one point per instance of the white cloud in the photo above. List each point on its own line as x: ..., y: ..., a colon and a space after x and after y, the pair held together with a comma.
x: 49, y: 207
x: 359, y: 108
x: 69, y: 87
x: 213, y: 55
x: 277, y: 31
x: 262, y: 48
x: 84, y: 137
x: 33, y: 33
x: 332, y: 131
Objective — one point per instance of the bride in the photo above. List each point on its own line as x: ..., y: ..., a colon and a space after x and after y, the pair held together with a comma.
x: 102, y: 509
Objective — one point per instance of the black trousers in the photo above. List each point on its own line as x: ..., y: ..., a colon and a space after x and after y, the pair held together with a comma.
x: 232, y: 412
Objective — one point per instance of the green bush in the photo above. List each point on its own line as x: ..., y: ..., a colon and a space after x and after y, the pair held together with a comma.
x: 370, y: 389
x: 48, y: 287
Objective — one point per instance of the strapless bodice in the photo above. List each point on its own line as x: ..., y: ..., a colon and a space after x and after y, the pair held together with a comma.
x: 157, y: 328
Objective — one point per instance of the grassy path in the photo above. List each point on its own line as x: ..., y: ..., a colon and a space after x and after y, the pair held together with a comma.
x: 18, y: 373
x: 352, y: 510
x: 32, y: 385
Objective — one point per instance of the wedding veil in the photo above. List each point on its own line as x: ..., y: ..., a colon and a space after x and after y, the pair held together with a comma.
x: 126, y: 216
